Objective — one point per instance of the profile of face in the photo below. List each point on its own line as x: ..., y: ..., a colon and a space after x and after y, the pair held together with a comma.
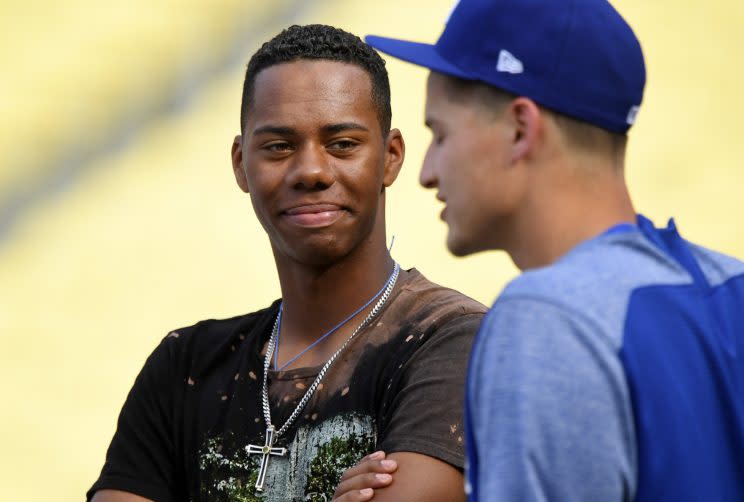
x: 314, y: 161
x: 471, y: 163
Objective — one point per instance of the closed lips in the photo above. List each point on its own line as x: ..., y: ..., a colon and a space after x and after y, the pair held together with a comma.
x: 314, y: 215
x: 312, y: 208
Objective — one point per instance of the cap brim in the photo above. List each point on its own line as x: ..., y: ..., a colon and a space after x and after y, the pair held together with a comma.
x: 417, y: 53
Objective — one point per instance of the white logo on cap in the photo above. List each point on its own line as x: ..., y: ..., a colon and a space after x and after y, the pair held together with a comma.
x: 508, y: 63
x: 632, y: 114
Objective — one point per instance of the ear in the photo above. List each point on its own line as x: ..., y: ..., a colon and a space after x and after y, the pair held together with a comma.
x: 395, y: 153
x: 237, y: 163
x: 527, y: 120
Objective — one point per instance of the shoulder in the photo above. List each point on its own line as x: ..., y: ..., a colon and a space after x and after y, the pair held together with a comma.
x: 427, y: 306
x: 196, y: 346
x: 627, y: 260
x: 593, y: 283
x: 717, y: 267
x: 431, y: 316
x: 211, y: 331
x: 424, y: 294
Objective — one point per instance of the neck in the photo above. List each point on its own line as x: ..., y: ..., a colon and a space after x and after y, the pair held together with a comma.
x: 316, y: 298
x: 578, y: 203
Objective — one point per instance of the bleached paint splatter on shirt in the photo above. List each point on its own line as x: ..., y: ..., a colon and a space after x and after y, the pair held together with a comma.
x: 195, y: 406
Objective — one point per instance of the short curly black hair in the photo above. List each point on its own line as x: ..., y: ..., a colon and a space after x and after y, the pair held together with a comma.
x: 318, y: 41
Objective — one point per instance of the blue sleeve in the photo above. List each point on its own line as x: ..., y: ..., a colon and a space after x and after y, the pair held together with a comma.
x: 549, y: 408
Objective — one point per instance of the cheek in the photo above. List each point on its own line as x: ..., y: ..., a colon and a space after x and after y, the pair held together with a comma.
x: 261, y: 211
x: 470, y: 173
x: 453, y: 161
x: 263, y: 190
x: 362, y: 177
x: 263, y: 180
x: 486, y: 155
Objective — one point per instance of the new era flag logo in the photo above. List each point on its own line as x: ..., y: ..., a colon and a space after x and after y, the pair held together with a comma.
x: 508, y: 63
x: 633, y: 114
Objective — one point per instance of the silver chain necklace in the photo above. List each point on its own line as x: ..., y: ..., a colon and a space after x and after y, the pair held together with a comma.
x: 268, y: 449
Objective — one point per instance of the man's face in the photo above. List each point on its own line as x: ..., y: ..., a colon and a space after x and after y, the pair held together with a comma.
x: 469, y: 163
x: 313, y: 158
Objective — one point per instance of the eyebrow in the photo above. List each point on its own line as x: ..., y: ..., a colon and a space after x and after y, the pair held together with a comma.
x: 273, y: 129
x: 327, y: 129
x: 344, y: 126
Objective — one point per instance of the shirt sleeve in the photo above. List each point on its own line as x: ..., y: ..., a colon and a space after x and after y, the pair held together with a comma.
x: 141, y: 456
x: 549, y: 408
x: 425, y: 411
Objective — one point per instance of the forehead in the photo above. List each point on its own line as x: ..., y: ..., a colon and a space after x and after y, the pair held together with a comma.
x: 439, y: 102
x: 449, y: 101
x: 305, y: 92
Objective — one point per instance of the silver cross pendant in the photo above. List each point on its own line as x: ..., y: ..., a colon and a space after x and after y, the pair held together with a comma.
x: 266, y: 450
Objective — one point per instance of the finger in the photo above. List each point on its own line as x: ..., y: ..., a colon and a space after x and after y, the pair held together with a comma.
x: 361, y: 465
x: 370, y: 466
x: 362, y: 481
x: 388, y: 465
x: 378, y: 455
x: 356, y: 496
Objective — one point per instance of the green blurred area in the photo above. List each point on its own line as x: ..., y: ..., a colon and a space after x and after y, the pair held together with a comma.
x: 130, y: 110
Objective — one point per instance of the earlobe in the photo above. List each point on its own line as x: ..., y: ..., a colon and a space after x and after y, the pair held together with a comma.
x: 395, y: 153
x: 236, y: 154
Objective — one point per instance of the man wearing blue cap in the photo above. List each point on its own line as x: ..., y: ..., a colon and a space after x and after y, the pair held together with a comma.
x: 611, y: 369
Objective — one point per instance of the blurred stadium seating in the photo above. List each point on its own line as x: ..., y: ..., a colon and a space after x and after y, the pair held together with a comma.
x: 87, y: 77
x: 111, y: 109
x: 119, y: 218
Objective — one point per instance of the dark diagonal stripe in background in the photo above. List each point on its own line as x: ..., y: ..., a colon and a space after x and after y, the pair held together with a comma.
x: 78, y: 157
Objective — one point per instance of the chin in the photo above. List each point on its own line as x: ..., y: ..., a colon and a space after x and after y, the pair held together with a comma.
x: 459, y: 247
x: 318, y: 252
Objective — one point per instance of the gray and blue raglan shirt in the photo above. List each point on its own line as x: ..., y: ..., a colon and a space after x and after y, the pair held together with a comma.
x: 616, y: 373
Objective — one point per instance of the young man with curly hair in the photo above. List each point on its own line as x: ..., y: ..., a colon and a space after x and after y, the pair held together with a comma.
x: 356, y: 357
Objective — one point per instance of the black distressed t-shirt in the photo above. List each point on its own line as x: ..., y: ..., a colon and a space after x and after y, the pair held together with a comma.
x: 195, y: 407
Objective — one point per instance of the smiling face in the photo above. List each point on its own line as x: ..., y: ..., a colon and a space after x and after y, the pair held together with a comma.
x: 314, y: 160
x: 470, y: 162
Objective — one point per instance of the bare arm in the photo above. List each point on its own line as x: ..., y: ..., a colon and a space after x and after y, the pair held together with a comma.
x: 421, y: 478
x: 427, y: 419
x: 413, y: 478
x: 117, y: 496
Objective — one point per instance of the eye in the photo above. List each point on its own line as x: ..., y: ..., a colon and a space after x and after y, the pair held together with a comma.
x: 437, y: 137
x: 277, y: 147
x: 343, y: 145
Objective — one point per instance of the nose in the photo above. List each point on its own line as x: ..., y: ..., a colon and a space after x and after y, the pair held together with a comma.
x: 428, y: 176
x: 311, y: 169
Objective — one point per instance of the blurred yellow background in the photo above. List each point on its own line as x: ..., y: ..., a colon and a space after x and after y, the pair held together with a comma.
x: 120, y: 220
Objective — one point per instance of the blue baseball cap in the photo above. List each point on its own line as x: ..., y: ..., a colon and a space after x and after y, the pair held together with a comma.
x: 576, y: 57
